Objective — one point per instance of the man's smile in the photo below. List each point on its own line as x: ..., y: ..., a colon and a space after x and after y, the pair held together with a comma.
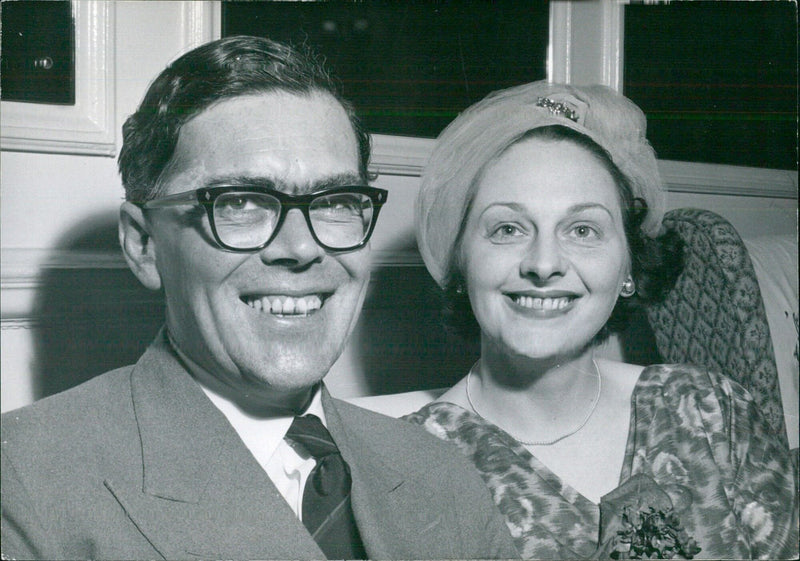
x: 283, y: 305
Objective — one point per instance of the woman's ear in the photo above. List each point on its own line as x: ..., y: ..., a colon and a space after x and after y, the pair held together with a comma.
x: 138, y: 246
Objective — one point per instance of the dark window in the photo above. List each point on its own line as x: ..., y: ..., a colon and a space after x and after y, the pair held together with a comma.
x: 718, y: 80
x: 409, y: 67
x: 38, y: 54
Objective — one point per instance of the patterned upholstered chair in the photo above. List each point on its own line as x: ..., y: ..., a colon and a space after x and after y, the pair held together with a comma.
x: 715, y: 314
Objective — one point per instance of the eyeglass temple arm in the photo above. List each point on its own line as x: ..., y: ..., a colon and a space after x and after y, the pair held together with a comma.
x: 188, y: 197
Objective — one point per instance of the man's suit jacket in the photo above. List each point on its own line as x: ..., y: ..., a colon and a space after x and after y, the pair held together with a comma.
x: 138, y: 463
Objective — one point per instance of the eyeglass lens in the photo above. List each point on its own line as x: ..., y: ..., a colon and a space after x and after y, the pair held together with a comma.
x: 246, y: 220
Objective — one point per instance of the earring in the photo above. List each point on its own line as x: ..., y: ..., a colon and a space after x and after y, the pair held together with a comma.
x: 628, y: 288
x: 460, y: 289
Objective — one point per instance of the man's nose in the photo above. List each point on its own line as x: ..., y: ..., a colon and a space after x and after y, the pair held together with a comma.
x: 293, y: 245
x: 543, y: 259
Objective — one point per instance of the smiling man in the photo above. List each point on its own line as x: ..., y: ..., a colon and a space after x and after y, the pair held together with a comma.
x: 248, y: 205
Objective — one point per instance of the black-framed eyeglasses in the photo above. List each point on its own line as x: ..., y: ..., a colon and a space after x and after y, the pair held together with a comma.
x: 248, y: 217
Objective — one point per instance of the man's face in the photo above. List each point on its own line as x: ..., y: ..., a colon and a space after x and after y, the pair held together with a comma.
x: 266, y: 324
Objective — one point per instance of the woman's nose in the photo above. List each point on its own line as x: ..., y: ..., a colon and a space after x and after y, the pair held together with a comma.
x: 543, y: 258
x: 293, y: 245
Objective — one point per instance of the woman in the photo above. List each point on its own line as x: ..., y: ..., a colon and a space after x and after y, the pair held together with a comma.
x: 539, y: 214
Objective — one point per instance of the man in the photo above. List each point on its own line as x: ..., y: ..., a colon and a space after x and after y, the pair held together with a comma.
x: 247, y: 204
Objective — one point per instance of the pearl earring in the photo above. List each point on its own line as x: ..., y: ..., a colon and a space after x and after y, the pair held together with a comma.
x: 628, y: 288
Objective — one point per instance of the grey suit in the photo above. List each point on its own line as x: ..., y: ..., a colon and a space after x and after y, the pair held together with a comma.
x: 137, y: 463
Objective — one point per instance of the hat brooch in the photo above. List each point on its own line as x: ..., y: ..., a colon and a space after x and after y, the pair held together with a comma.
x: 558, y: 108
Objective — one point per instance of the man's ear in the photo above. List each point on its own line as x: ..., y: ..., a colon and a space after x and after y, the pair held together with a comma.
x: 138, y: 246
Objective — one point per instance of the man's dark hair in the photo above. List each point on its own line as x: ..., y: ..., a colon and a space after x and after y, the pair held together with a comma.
x: 222, y: 69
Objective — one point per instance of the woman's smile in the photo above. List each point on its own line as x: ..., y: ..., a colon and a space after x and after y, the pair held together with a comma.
x: 545, y: 304
x: 544, y: 251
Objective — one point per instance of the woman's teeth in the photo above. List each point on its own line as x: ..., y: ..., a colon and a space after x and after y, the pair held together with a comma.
x: 542, y: 303
x: 286, y: 305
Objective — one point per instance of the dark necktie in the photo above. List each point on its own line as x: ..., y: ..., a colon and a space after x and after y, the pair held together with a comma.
x: 327, y: 513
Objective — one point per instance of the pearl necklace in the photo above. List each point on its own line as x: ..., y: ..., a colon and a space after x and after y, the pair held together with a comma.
x: 544, y: 442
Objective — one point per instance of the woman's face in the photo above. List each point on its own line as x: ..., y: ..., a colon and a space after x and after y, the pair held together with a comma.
x: 544, y: 252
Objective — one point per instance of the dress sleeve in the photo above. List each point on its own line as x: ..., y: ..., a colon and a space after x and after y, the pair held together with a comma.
x: 763, y: 494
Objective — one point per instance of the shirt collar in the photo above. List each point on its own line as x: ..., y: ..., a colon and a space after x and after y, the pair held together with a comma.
x: 261, y: 435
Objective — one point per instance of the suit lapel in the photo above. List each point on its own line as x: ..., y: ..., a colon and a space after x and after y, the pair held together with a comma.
x: 393, y: 511
x: 202, y: 494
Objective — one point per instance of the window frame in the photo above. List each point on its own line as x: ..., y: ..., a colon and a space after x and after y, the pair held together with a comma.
x: 580, y: 52
x: 87, y: 126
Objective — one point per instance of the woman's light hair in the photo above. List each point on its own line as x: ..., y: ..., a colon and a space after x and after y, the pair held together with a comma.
x: 489, y: 127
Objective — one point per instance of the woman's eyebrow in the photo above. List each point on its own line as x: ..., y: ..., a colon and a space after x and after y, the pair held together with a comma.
x: 511, y: 205
x: 578, y: 208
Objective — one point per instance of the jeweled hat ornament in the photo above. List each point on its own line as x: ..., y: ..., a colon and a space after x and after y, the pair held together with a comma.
x: 490, y: 126
x: 567, y: 108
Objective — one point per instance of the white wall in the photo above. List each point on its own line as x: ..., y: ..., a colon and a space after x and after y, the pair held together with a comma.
x: 48, y: 200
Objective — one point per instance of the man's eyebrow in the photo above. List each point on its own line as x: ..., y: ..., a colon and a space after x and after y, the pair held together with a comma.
x: 244, y: 180
x: 338, y: 180
x: 327, y: 182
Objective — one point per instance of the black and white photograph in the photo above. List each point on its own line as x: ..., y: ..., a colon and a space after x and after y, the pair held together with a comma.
x: 365, y: 279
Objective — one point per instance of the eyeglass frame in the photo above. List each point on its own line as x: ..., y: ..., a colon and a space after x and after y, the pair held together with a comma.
x: 206, y: 197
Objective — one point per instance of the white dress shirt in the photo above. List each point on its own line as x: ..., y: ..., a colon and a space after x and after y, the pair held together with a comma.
x: 287, y: 466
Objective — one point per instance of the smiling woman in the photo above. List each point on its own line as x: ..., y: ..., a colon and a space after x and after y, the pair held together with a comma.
x: 543, y: 261
x: 540, y: 215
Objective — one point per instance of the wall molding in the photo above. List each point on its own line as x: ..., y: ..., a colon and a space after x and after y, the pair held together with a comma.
x: 398, y: 155
x: 23, y: 270
x: 718, y: 179
x: 89, y: 126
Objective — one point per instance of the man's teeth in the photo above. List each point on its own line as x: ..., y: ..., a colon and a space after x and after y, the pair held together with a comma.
x: 542, y: 303
x: 286, y: 305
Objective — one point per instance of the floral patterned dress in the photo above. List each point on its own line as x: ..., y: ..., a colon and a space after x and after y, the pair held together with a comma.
x: 696, y: 448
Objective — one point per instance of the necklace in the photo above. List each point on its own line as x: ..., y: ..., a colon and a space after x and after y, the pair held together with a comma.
x: 544, y: 442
